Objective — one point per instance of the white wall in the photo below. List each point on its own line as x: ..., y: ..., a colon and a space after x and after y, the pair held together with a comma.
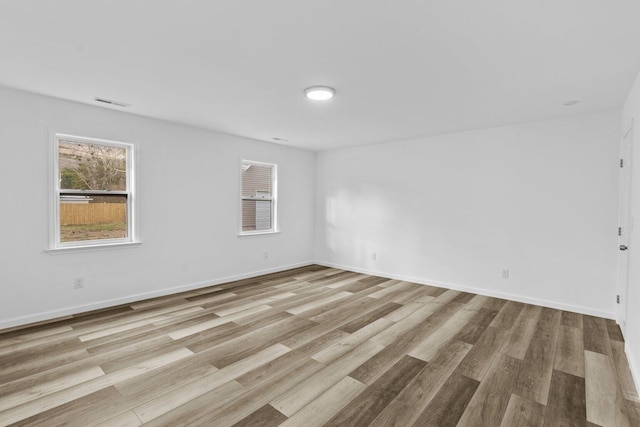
x: 540, y: 199
x: 188, y: 188
x: 631, y: 113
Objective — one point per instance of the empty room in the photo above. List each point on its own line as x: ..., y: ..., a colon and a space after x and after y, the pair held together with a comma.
x: 330, y: 213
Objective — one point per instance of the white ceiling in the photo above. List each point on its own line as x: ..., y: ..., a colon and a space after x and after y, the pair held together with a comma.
x: 401, y: 68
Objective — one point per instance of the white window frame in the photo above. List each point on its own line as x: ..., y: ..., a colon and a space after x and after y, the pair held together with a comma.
x: 55, y: 192
x: 274, y: 199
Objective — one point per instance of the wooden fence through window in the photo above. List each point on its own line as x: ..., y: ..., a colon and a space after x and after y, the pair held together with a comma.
x: 92, y: 213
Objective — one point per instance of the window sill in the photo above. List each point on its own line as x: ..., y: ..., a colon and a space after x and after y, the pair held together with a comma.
x: 91, y: 248
x: 258, y: 233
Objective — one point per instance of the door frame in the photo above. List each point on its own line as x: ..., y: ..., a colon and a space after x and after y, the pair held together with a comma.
x: 625, y: 222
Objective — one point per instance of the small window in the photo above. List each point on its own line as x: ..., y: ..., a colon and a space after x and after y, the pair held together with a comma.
x: 93, y: 192
x: 258, y: 197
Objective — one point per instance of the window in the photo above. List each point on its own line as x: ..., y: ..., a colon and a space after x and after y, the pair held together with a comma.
x: 93, y: 192
x: 258, y: 197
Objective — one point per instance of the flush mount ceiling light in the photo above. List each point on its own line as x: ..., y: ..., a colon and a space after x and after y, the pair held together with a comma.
x: 319, y: 93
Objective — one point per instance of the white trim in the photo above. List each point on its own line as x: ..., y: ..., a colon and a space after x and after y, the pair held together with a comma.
x: 49, y: 315
x: 635, y: 369
x: 54, y: 314
x: 52, y: 188
x: 257, y: 233
x: 456, y: 287
x: 625, y: 220
x: 131, y: 152
x: 275, y: 227
x: 86, y: 248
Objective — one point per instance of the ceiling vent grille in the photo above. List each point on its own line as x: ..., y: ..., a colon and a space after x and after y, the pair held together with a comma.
x: 112, y: 102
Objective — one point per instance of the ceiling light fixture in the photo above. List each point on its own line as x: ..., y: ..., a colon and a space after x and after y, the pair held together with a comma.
x: 319, y: 93
x: 571, y: 103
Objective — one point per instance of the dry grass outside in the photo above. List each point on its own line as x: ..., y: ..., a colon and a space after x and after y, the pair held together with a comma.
x: 74, y: 233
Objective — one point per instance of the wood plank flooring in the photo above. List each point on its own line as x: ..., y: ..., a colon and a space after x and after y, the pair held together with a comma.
x: 319, y: 346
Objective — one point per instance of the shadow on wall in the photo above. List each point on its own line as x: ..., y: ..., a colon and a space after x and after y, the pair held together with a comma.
x: 363, y: 228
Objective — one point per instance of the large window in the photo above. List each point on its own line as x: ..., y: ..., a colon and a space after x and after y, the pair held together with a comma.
x: 258, y: 197
x: 93, y: 192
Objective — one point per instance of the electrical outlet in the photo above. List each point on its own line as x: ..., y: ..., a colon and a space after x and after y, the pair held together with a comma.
x: 78, y: 283
x: 505, y: 273
x: 265, y: 255
x: 374, y: 256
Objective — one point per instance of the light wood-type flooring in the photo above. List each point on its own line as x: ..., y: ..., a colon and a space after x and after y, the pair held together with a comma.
x: 319, y: 346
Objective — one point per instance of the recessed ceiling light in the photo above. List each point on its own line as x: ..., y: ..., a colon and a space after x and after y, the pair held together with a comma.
x: 571, y: 103
x: 319, y: 93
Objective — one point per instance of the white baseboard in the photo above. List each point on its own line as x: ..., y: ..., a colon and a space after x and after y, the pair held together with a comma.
x: 61, y: 313
x: 67, y: 311
x: 479, y: 291
x: 54, y: 314
x: 633, y: 365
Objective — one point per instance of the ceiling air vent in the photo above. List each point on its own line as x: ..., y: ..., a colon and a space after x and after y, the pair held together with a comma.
x: 112, y: 102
